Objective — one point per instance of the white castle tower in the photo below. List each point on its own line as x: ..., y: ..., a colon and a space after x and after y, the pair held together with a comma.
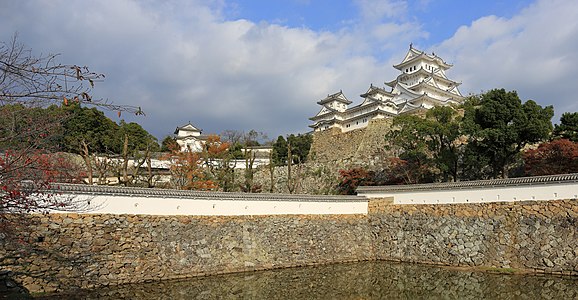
x: 421, y: 85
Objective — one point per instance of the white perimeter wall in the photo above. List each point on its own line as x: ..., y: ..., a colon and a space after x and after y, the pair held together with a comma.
x: 119, y: 204
x: 551, y: 191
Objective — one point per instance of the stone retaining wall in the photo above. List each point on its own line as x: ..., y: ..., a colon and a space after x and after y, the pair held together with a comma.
x: 536, y: 235
x: 72, y: 250
x: 360, y: 147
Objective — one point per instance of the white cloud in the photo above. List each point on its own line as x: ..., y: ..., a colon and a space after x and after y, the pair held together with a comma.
x: 534, y: 52
x: 375, y: 10
x: 181, y: 61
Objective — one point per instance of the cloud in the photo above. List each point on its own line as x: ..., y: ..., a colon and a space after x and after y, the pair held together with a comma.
x: 533, y: 52
x: 375, y: 10
x: 182, y: 61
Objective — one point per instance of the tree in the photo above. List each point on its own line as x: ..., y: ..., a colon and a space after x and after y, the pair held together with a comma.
x: 217, y: 160
x: 41, y: 80
x: 187, y: 172
x: 430, y: 143
x: 352, y: 178
x: 556, y: 157
x: 23, y: 127
x: 27, y: 84
x: 168, y: 143
x: 410, y: 144
x: 248, y: 140
x: 279, y: 152
x: 138, y: 144
x: 499, y: 125
x: 300, y: 146
x: 89, y: 132
x: 568, y: 127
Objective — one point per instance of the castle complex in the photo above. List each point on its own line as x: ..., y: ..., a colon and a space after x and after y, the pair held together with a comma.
x: 421, y: 85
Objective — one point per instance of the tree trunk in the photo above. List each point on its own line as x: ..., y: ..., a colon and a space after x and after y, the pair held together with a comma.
x: 289, y: 163
x: 271, y: 173
x: 86, y: 158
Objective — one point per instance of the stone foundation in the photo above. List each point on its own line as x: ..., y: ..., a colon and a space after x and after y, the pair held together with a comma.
x: 82, y: 251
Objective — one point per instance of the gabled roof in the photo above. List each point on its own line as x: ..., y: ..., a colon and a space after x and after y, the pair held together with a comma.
x: 438, y: 75
x: 329, y: 122
x: 193, y: 137
x: 188, y: 127
x: 339, y: 96
x: 403, y: 88
x: 432, y: 84
x: 324, y: 111
x: 375, y: 90
x: 414, y: 55
x: 407, y: 107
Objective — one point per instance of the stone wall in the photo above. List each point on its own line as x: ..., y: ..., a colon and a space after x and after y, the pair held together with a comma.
x: 72, y: 250
x: 83, y: 251
x: 360, y: 147
x: 540, y: 235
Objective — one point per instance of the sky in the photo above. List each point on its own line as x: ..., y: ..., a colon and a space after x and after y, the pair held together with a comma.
x: 263, y: 65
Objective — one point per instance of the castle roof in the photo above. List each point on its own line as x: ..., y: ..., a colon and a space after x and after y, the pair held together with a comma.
x: 436, y: 74
x: 323, y: 112
x: 339, y: 97
x: 375, y: 90
x: 188, y: 127
x: 414, y: 55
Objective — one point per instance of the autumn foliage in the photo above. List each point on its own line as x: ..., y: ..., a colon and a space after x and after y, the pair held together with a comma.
x: 352, y: 178
x: 556, y: 157
x: 196, y: 170
x: 25, y: 178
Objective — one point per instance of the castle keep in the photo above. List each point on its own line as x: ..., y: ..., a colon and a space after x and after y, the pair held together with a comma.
x: 421, y: 85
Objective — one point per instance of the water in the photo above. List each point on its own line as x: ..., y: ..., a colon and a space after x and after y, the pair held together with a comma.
x: 365, y: 280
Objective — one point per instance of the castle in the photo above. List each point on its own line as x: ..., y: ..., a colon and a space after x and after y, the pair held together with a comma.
x: 421, y: 85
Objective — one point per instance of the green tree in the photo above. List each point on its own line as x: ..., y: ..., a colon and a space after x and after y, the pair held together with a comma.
x: 429, y: 145
x: 280, y: 151
x: 89, y: 129
x: 443, y: 140
x: 139, y: 138
x: 28, y: 84
x: 568, y: 127
x: 499, y: 125
x: 168, y: 143
x: 300, y: 146
x: 23, y: 127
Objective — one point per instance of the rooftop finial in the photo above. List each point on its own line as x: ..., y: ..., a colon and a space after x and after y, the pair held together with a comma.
x: 410, y: 45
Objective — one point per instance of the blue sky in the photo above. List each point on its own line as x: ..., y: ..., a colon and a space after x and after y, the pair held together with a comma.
x: 264, y: 64
x: 440, y: 18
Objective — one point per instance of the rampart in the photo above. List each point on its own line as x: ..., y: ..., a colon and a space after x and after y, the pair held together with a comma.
x: 360, y: 147
x: 70, y: 251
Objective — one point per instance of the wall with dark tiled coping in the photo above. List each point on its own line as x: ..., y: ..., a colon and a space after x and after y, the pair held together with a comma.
x: 551, y: 187
x: 68, y: 251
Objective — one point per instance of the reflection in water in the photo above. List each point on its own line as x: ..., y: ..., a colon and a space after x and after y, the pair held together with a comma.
x: 365, y: 280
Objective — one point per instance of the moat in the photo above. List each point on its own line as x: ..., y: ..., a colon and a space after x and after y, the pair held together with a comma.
x: 364, y: 280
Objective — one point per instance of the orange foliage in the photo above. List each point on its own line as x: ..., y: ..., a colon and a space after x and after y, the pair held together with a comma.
x: 190, y: 170
x: 214, y: 148
x: 556, y: 157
